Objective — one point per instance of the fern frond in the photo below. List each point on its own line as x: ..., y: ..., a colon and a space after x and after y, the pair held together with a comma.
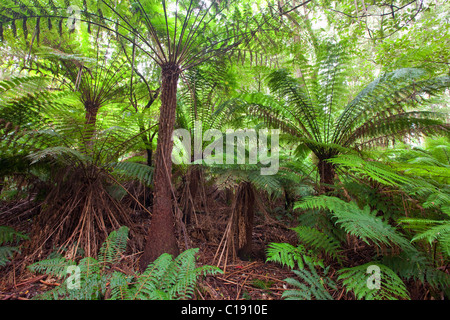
x: 55, y: 267
x: 431, y: 231
x: 319, y: 241
x: 6, y: 253
x: 135, y: 170
x: 63, y: 154
x: 10, y: 235
x: 386, y: 285
x: 168, y: 278
x: 288, y: 255
x: 359, y: 222
x: 312, y: 285
x: 373, y: 170
x: 114, y: 246
x: 119, y: 284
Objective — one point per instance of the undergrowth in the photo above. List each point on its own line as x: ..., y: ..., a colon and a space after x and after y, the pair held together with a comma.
x: 167, y: 278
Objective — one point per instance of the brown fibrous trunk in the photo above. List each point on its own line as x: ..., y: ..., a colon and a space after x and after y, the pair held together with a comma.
x: 326, y: 174
x: 244, y: 213
x: 161, y: 234
x: 188, y: 197
x: 90, y: 121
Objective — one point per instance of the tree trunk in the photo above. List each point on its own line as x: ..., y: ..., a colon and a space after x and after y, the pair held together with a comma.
x: 326, y: 173
x: 244, y: 213
x: 189, y: 193
x: 161, y: 234
x: 90, y: 121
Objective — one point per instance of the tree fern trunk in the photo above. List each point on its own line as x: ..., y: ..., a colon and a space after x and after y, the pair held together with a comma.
x: 190, y: 190
x: 161, y: 234
x: 244, y: 213
x: 326, y: 174
x: 90, y: 121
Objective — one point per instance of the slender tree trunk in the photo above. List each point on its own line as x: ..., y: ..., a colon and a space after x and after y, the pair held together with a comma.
x: 161, y: 234
x: 190, y: 190
x: 326, y: 173
x: 90, y: 121
x: 244, y: 213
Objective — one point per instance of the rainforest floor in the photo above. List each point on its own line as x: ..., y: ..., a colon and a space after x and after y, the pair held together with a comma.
x: 255, y: 279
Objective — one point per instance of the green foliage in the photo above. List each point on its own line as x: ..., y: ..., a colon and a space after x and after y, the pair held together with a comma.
x: 319, y: 241
x: 312, y: 285
x: 432, y: 231
x: 315, y: 108
x: 290, y: 256
x: 362, y: 223
x: 382, y: 284
x: 8, y: 238
x: 166, y: 278
x: 134, y: 170
x: 371, y: 170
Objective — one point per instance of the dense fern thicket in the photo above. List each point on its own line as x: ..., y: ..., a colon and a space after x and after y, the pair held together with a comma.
x: 349, y: 105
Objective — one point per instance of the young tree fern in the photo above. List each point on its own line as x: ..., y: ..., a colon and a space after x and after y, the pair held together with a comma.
x: 52, y: 139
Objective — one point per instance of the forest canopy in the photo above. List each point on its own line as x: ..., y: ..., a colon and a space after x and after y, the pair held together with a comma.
x: 188, y: 149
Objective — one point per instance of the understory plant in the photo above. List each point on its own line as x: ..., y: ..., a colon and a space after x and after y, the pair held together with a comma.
x: 9, y: 240
x: 167, y: 278
x: 395, y: 258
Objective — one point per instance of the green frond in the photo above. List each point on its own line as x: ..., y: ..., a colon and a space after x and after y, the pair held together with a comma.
x: 6, y: 253
x: 134, y: 170
x: 383, y: 129
x: 373, y: 281
x: 374, y: 170
x: 119, y: 284
x: 312, y: 285
x: 290, y: 256
x: 319, y: 241
x: 431, y: 231
x: 17, y: 87
x: 164, y: 279
x: 114, y: 246
x: 56, y: 267
x: 362, y: 223
x: 415, y: 265
x: 8, y: 238
x: 168, y: 278
x: 64, y: 154
x: 10, y: 235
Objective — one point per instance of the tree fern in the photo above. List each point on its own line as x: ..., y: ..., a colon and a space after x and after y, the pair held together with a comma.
x: 373, y: 281
x: 316, y: 110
